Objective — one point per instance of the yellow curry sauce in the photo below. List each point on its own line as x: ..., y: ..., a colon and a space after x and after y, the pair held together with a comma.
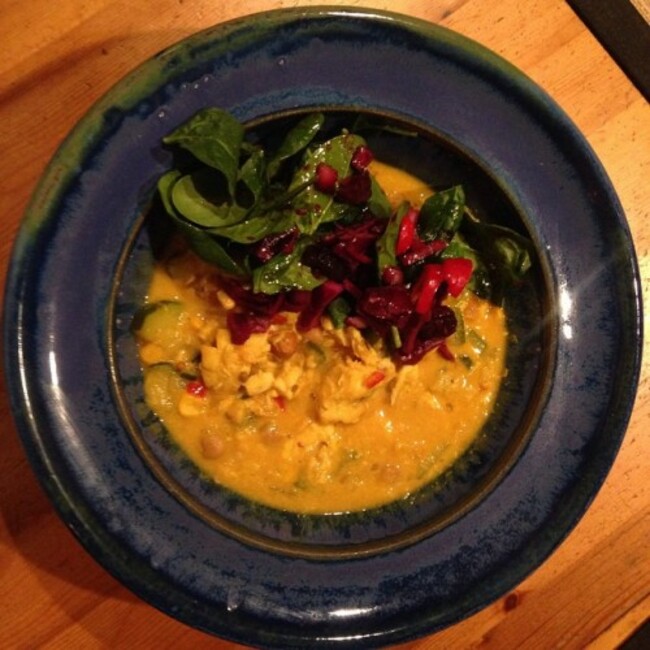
x: 318, y: 422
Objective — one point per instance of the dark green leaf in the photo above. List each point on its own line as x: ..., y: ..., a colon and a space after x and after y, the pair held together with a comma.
x: 506, y: 254
x: 165, y: 184
x: 441, y: 214
x: 285, y: 272
x: 252, y: 177
x: 295, y: 141
x: 501, y: 247
x: 338, y: 310
x: 255, y: 228
x: 315, y: 207
x: 378, y: 203
x: 196, y: 196
x: 205, y: 246
x: 214, y: 137
x: 386, y: 243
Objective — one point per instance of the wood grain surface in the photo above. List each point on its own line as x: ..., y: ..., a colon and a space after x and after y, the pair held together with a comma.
x: 57, y: 59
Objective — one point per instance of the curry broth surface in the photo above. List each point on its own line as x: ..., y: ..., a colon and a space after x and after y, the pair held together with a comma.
x: 319, y: 422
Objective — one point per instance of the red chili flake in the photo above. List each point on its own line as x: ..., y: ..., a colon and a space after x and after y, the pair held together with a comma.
x: 374, y: 378
x: 197, y: 388
x: 281, y: 401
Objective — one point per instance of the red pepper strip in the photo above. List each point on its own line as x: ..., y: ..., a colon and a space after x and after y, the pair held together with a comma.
x: 406, y: 232
x: 427, y: 286
x: 421, y: 250
x: 373, y: 379
x: 197, y: 388
x: 457, y: 272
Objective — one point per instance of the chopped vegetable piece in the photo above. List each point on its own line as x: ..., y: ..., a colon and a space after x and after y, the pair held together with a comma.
x: 374, y: 379
x: 326, y: 178
x: 307, y: 228
x: 355, y: 189
x: 196, y: 388
x: 427, y: 286
x: 406, y: 233
x: 361, y: 158
x: 457, y: 272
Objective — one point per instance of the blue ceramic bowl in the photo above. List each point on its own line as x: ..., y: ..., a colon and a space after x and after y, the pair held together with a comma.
x: 378, y: 530
x: 214, y: 560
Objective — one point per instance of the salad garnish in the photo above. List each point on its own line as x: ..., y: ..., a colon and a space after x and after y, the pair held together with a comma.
x: 305, y: 227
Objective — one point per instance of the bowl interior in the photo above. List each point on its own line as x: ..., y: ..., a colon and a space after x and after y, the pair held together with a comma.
x: 424, y: 153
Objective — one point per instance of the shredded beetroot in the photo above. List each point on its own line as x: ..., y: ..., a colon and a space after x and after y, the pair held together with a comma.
x: 241, y: 325
x: 420, y: 250
x: 354, y: 189
x: 321, y: 297
x: 440, y: 325
x: 355, y: 244
x: 296, y: 300
x: 388, y: 303
x: 323, y: 261
x: 248, y: 301
x: 403, y: 304
x: 278, y: 243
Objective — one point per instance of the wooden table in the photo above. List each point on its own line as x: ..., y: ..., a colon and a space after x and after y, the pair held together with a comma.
x: 57, y: 59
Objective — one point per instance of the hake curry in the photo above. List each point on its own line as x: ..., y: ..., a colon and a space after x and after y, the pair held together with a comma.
x: 322, y: 421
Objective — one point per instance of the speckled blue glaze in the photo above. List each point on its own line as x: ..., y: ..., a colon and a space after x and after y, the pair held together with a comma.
x: 60, y: 314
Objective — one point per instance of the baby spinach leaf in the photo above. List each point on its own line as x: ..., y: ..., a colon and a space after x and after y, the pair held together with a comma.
x: 441, y: 214
x: 386, y: 255
x: 165, y: 184
x: 338, y: 310
x: 506, y: 254
x: 378, y: 203
x: 254, y: 228
x: 314, y: 206
x: 196, y: 196
x: 204, y: 245
x: 214, y: 137
x: 285, y: 272
x: 213, y: 251
x: 251, y: 180
x: 295, y: 141
x: 502, y: 247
